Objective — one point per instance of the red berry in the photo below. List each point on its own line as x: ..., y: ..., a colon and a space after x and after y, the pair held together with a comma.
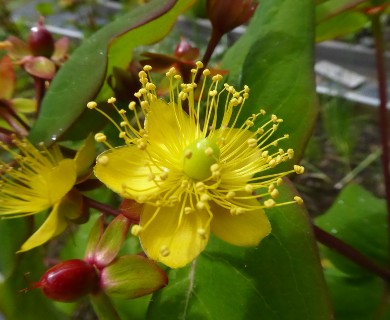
x: 41, y: 41
x: 69, y: 280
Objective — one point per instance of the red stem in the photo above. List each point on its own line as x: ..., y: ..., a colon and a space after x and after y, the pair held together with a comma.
x: 383, y: 117
x: 351, y: 253
x: 100, y: 206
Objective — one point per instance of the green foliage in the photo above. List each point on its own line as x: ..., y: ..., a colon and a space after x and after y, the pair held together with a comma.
x: 83, y: 76
x: 274, y: 58
x: 359, y: 219
x: 279, y: 279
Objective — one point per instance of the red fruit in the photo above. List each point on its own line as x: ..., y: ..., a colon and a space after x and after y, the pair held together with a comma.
x: 69, y: 280
x: 41, y: 41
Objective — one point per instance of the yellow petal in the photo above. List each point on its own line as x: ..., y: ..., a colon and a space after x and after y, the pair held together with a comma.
x: 53, y: 226
x: 184, y: 243
x: 169, y: 125
x: 85, y: 157
x: 125, y: 166
x: 45, y: 188
x: 246, y: 229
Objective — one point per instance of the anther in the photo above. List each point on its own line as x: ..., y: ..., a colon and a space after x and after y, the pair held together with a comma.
x: 111, y: 100
x: 122, y: 135
x: 164, y: 251
x: 147, y: 67
x: 209, y: 151
x: 199, y: 64
x: 132, y: 105
x: 252, y: 143
x: 103, y: 160
x: 298, y: 200
x: 248, y: 188
x: 269, y: 203
x: 100, y: 137
x: 188, y: 210
x: 91, y: 105
x: 200, y: 205
x: 136, y: 230
x: 230, y: 195
x: 201, y: 232
x: 188, y: 154
x: 299, y: 169
x: 275, y: 193
x: 206, y: 72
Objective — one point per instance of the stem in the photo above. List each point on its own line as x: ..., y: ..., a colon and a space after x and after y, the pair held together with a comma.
x: 6, y: 104
x: 40, y: 89
x: 383, y: 118
x: 212, y: 44
x: 351, y: 253
x: 103, y: 306
x: 100, y: 206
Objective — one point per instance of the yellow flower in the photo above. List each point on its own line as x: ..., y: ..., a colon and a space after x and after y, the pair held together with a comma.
x: 40, y: 179
x: 193, y: 171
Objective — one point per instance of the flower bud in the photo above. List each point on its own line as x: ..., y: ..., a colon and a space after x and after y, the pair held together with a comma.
x: 225, y: 15
x: 185, y: 51
x: 69, y: 280
x: 41, y: 41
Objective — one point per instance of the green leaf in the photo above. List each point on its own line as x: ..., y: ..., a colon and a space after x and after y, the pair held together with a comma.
x: 15, y: 305
x: 82, y: 77
x: 357, y: 298
x: 340, y: 25
x: 359, y: 219
x: 275, y: 59
x: 280, y: 279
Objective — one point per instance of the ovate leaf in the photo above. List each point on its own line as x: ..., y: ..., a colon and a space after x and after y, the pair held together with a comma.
x: 275, y: 59
x: 82, y: 77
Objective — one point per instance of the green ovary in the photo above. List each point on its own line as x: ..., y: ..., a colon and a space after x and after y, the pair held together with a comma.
x: 198, y: 157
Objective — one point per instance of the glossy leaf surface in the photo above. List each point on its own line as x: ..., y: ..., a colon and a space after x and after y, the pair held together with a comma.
x: 83, y: 76
x: 275, y: 59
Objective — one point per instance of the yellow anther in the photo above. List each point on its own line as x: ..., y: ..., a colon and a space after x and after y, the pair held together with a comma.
x: 122, y: 135
x: 185, y: 183
x: 183, y: 96
x: 199, y: 64
x: 100, y: 137
x: 214, y: 167
x: 298, y: 200
x: 206, y: 72
x: 275, y: 193
x: 279, y: 181
x: 249, y: 123
x: 194, y: 71
x: 299, y: 169
x: 177, y: 77
x: 103, y: 160
x: 274, y: 118
x: 150, y: 86
x: 164, y: 251
x: 163, y: 175
x: 204, y: 197
x: 188, y: 210
x: 230, y: 195
x: 200, y: 205
x: 252, y: 143
x: 111, y: 100
x: 260, y: 131
x: 188, y: 154
x: 217, y: 77
x: 269, y: 203
x: 147, y: 67
x: 136, y: 230
x: 91, y: 105
x: 248, y: 188
x: 201, y: 232
x: 209, y: 151
x: 200, y: 187
x: 132, y: 105
x: 213, y: 93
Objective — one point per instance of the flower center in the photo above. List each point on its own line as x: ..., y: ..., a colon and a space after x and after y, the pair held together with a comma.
x: 198, y: 157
